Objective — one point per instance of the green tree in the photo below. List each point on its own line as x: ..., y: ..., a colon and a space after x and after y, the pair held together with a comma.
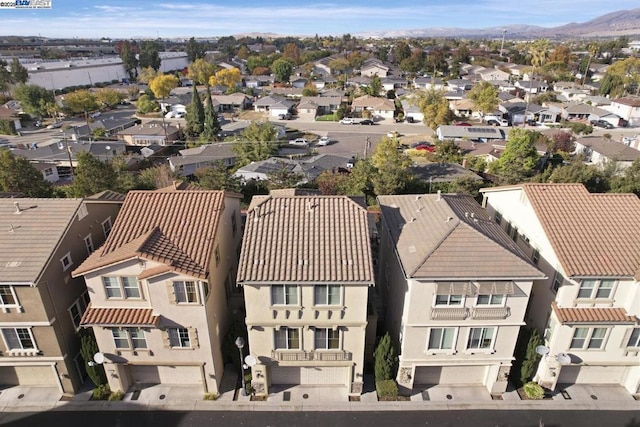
x: 361, y: 179
x: 539, y: 52
x: 218, y: 177
x: 385, y: 359
x: 532, y: 358
x: 201, y: 71
x: 519, y: 159
x: 81, y: 101
x: 257, y: 142
x: 392, y: 168
x: 591, y: 176
x: 17, y: 175
x: 128, y: 52
x: 485, y: 96
x: 309, y: 89
x: 628, y: 181
x: 333, y: 183
x: 283, y: 177
x: 88, y: 348
x: 282, y: 70
x: 195, y: 50
x: 195, y: 115
x: 5, y: 76
x: 624, y: 77
x: 339, y: 65
x: 447, y: 152
x: 400, y: 51
x: 434, y: 107
x: 149, y: 55
x: 19, y: 74
x: 146, y: 105
x: 375, y: 86
x: 211, y: 123
x: 33, y: 98
x: 147, y: 74
x: 92, y: 176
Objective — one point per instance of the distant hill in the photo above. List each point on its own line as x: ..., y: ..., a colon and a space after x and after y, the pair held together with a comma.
x: 614, y: 24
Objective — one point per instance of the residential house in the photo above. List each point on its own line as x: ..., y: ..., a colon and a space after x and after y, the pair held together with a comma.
x: 256, y: 82
x: 436, y: 172
x: 464, y: 108
x: 111, y: 126
x: 628, y: 109
x: 191, y: 159
x: 49, y: 172
x: 411, y: 110
x: 62, y: 154
x: 42, y: 241
x: 459, y: 84
x: 9, y: 111
x: 306, y: 268
x: 532, y: 87
x: 489, y: 74
x: 374, y: 67
x: 588, y: 245
x: 274, y: 105
x: 233, y: 102
x: 393, y: 83
x: 312, y: 106
x: 428, y: 83
x: 602, y: 151
x: 473, y: 133
x: 519, y: 112
x: 151, y: 132
x: 456, y: 288
x: 161, y: 287
x: 379, y: 107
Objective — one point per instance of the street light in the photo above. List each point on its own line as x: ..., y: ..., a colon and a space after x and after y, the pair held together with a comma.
x: 240, y: 344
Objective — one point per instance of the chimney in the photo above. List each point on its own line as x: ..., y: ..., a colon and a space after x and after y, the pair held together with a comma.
x: 175, y: 185
x: 17, y: 206
x: 439, y: 195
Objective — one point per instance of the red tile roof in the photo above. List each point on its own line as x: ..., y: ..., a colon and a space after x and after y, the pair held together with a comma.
x: 593, y: 315
x: 119, y: 316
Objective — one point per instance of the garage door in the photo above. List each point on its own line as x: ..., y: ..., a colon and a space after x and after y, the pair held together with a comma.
x: 166, y: 374
x: 318, y: 375
x: 591, y: 374
x: 27, y: 375
x: 450, y: 375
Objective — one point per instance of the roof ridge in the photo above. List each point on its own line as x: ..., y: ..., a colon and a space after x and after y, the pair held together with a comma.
x: 444, y: 237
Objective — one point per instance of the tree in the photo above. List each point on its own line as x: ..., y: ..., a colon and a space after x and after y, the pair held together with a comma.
x: 591, y: 176
x: 128, y: 53
x: 257, y: 142
x: 226, y: 77
x: 283, y: 177
x: 146, y: 105
x: 625, y: 73
x: 434, y: 107
x: 333, y: 183
x: 19, y: 74
x: 628, y: 181
x: 375, y: 86
x: 400, y: 51
x: 91, y: 176
x: 109, y: 97
x: 163, y: 84
x: 149, y: 55
x: 292, y: 52
x: 339, y: 65
x: 485, y: 96
x: 201, y: 71
x: 392, y: 167
x: 385, y: 359
x: 309, y: 89
x: 211, y: 123
x: 218, y: 177
x: 447, y: 152
x: 156, y: 177
x: 147, y: 74
x: 519, y: 159
x: 88, y: 348
x: 532, y: 358
x: 282, y: 70
x: 17, y: 175
x: 81, y: 101
x: 539, y: 51
x: 195, y: 115
x: 32, y: 98
x: 195, y: 50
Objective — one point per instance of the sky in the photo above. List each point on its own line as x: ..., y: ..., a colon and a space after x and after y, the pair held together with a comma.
x: 144, y: 18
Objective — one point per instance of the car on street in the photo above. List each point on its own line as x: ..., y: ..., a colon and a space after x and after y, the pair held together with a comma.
x: 393, y: 134
x: 410, y: 119
x: 299, y: 142
x: 602, y: 124
x: 286, y: 116
x: 351, y: 163
x: 325, y: 140
x: 96, y: 114
x: 55, y: 125
x: 367, y: 122
x: 347, y: 121
x: 426, y: 147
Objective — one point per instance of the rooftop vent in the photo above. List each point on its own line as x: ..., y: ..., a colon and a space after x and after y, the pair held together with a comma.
x: 17, y: 206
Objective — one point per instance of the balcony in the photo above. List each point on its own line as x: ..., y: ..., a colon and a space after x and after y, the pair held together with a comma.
x: 449, y: 313
x: 307, y: 356
x: 490, y: 313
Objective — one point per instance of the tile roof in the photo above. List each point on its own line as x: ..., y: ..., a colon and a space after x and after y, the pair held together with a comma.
x: 591, y: 234
x: 28, y: 238
x: 593, y: 314
x: 306, y: 239
x: 451, y: 236
x: 172, y: 227
x: 119, y: 316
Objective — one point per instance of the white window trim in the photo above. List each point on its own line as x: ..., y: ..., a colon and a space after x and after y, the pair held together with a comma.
x: 298, y: 294
x: 14, y: 351
x: 637, y: 344
x: 490, y: 349
x: 127, y: 334
x: 90, y: 247
x: 104, y: 229
x: 79, y: 303
x: 587, y: 339
x: 123, y: 295
x: 454, y: 343
x: 184, y: 286
x: 594, y: 291
x: 6, y: 307
x: 180, y: 347
x: 82, y: 211
x: 462, y: 301
x: 502, y: 304
x: 287, y: 329
x: 340, y: 336
x: 68, y: 266
x: 557, y: 277
x: 328, y: 305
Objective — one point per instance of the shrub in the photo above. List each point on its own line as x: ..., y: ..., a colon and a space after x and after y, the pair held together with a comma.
x: 100, y: 392
x: 116, y: 395
x: 7, y: 127
x: 533, y: 390
x: 385, y: 359
x: 211, y: 396
x: 387, y: 389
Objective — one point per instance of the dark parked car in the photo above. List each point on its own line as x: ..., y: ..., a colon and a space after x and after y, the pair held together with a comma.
x: 410, y: 119
x: 367, y: 122
x: 602, y: 124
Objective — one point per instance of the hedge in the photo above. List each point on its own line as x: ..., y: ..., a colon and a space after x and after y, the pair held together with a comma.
x: 7, y: 127
x: 387, y: 388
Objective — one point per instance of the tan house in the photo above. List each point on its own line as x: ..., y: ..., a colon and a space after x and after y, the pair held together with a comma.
x: 455, y: 287
x: 306, y: 269
x: 149, y: 133
x: 161, y: 287
x: 42, y: 241
x: 379, y: 107
x: 589, y: 247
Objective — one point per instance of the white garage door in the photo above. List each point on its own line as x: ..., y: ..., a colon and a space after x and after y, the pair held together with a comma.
x: 450, y: 375
x: 317, y: 375
x: 591, y: 374
x: 27, y: 375
x: 166, y: 374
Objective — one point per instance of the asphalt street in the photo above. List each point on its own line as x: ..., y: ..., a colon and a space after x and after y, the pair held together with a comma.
x: 475, y: 418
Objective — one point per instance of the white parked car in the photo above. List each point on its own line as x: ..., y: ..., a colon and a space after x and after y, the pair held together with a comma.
x: 347, y: 121
x: 300, y: 142
x: 96, y: 114
x: 325, y: 140
x: 55, y: 125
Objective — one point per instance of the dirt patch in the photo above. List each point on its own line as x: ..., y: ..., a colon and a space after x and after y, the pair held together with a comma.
x: 251, y: 115
x: 354, y: 398
x: 395, y: 399
x: 258, y: 398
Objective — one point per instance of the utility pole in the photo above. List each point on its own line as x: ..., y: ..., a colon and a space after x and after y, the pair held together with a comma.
x: 68, y: 149
x: 367, y: 145
x: 502, y: 45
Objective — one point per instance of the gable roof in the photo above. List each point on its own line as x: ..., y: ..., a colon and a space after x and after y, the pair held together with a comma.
x: 30, y: 237
x: 610, y: 149
x: 451, y: 237
x: 374, y: 103
x: 172, y: 227
x: 312, y: 239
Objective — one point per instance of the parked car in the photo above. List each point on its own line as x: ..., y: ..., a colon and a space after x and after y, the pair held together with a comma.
x: 286, y: 116
x: 602, y: 124
x: 410, y: 119
x: 325, y: 140
x: 347, y: 121
x: 299, y: 142
x: 55, y: 125
x: 501, y: 122
x: 96, y: 114
x: 367, y: 122
x: 351, y: 162
x: 532, y: 122
x: 393, y: 134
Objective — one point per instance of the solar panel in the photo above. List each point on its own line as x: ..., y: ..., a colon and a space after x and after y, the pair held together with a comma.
x: 480, y: 130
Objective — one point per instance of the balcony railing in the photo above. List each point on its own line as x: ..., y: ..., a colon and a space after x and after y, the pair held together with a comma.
x: 449, y: 313
x: 306, y: 356
x: 490, y: 313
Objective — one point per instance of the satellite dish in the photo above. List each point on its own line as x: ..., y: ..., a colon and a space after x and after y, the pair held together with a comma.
x: 542, y: 350
x: 98, y: 358
x: 250, y: 360
x: 563, y: 358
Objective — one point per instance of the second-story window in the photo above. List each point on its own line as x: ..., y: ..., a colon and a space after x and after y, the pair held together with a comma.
x: 8, y: 296
x: 588, y: 338
x: 287, y: 339
x: 596, y: 289
x: 129, y: 338
x: 326, y: 294
x: 441, y: 338
x: 106, y: 227
x: 284, y: 295
x: 489, y: 299
x: 185, y: 291
x: 634, y: 338
x: 66, y: 261
x: 18, y: 338
x: 481, y: 338
x: 326, y: 339
x: 121, y: 287
x: 450, y: 300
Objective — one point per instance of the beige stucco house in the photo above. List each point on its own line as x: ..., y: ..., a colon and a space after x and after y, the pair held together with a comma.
x: 379, y: 107
x: 589, y: 247
x: 160, y: 288
x: 41, y: 304
x: 306, y: 269
x: 455, y: 289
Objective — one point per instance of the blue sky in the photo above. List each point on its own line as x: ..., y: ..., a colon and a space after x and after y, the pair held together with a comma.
x: 143, y: 18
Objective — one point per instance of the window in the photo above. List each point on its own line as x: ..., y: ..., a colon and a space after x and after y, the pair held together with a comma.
x: 441, y: 338
x: 634, y: 339
x: 49, y: 172
x: 588, y: 338
x: 8, y: 295
x: 498, y: 218
x: 106, y: 227
x: 489, y: 299
x: 327, y: 339
x: 88, y: 243
x: 129, y: 338
x: 512, y: 231
x: 596, y: 289
x: 557, y: 281
x: 82, y: 212
x: 287, y: 339
x: 481, y: 338
x: 66, y: 261
x: 216, y: 254
x: 284, y: 295
x: 185, y: 292
x: 18, y: 339
x: 535, y: 256
x: 78, y: 308
x: 179, y: 337
x: 448, y: 300
x: 234, y: 224
x: 123, y: 287
x: 326, y: 294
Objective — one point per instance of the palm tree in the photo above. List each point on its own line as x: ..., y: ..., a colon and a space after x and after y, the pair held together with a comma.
x: 539, y: 51
x: 593, y: 51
